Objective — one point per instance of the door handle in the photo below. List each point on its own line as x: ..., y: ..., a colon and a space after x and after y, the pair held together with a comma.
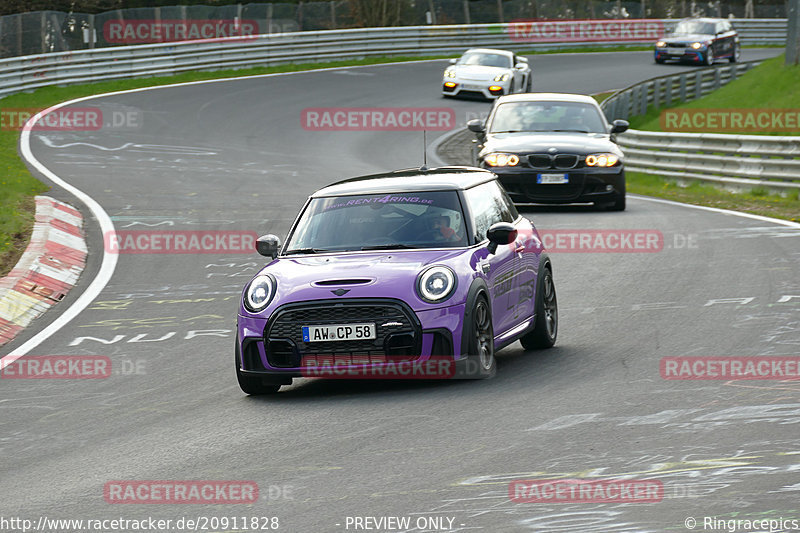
x: 486, y: 267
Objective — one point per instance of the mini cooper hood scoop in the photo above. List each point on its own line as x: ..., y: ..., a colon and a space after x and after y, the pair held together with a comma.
x: 356, y: 270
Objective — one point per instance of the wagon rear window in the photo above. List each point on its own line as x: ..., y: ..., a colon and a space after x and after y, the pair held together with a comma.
x: 375, y: 221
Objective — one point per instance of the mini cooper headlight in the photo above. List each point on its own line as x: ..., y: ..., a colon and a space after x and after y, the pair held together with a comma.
x: 661, y: 44
x: 449, y: 73
x: 501, y: 160
x: 601, y: 160
x: 436, y: 284
x: 501, y: 77
x: 259, y: 293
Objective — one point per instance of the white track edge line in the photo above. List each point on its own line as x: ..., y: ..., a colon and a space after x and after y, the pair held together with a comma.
x: 762, y: 218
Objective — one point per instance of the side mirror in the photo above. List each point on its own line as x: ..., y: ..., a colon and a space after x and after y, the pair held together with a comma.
x: 268, y: 245
x: 619, y: 125
x: 500, y: 233
x: 521, y: 66
x: 476, y: 125
x: 453, y: 61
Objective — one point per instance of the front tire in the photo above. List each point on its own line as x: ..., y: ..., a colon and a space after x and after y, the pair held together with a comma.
x: 255, y: 386
x: 710, y: 56
x: 480, y: 361
x: 545, y: 330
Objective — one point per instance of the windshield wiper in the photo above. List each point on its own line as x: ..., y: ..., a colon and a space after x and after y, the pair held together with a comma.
x: 573, y: 131
x: 395, y: 246
x: 306, y: 251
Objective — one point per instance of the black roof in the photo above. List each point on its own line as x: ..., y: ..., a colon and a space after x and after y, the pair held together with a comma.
x: 409, y: 180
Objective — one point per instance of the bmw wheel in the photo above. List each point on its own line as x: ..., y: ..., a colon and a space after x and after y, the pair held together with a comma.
x: 545, y: 330
x: 710, y: 56
x: 737, y: 54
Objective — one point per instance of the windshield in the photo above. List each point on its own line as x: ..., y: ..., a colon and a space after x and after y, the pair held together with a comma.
x: 485, y: 60
x: 688, y: 27
x: 380, y: 221
x: 547, y: 116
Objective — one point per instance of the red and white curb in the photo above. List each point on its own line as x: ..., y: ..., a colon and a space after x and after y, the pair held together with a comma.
x: 49, y: 267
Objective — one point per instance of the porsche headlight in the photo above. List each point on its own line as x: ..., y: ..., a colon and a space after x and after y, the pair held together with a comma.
x: 501, y: 160
x: 502, y: 77
x: 259, y: 293
x: 601, y: 160
x: 661, y: 44
x: 449, y: 73
x: 436, y: 284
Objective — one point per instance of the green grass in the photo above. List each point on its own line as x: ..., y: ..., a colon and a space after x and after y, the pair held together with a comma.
x: 757, y: 201
x: 771, y: 85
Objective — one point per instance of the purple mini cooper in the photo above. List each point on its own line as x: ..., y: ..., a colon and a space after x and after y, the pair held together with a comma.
x: 404, y: 267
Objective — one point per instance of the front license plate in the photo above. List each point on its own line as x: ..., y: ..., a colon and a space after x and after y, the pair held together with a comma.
x: 339, y: 332
x: 472, y: 87
x: 552, y: 178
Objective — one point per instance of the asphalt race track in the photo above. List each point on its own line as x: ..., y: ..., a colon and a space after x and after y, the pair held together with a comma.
x: 232, y: 156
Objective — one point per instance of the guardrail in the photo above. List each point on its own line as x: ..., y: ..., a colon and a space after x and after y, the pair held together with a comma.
x: 30, y: 72
x: 737, y: 161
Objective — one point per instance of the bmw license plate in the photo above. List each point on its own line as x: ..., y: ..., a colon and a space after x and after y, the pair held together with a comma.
x: 552, y: 178
x: 339, y: 332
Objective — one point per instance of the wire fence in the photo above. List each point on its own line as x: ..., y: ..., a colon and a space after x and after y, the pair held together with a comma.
x: 55, y: 31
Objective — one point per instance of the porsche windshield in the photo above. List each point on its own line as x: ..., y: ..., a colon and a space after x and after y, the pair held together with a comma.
x: 547, y: 117
x: 431, y: 219
x: 485, y: 60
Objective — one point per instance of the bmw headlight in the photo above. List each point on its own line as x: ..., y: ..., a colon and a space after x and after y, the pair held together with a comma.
x: 436, y: 284
x: 697, y: 46
x: 501, y: 160
x: 259, y: 293
x: 601, y: 160
x: 502, y: 77
x: 661, y: 44
x: 449, y: 73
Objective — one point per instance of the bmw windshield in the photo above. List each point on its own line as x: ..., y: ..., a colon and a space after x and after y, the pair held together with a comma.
x: 545, y: 116
x: 431, y: 219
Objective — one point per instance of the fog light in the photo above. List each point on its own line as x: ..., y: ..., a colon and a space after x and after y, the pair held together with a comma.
x: 609, y: 187
x: 450, y: 84
x: 495, y: 88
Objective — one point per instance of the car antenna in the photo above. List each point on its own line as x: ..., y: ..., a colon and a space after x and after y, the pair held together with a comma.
x: 424, y: 167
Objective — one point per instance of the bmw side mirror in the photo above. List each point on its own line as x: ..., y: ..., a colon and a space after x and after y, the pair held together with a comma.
x: 500, y: 233
x: 453, y: 61
x: 619, y: 125
x: 268, y: 245
x: 476, y: 126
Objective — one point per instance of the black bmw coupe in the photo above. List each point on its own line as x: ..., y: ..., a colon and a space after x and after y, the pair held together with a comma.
x: 553, y: 148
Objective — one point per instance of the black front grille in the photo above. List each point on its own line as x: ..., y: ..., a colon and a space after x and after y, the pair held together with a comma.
x: 539, y: 160
x: 677, y: 45
x: 398, y: 330
x: 559, y: 161
x: 565, y: 161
